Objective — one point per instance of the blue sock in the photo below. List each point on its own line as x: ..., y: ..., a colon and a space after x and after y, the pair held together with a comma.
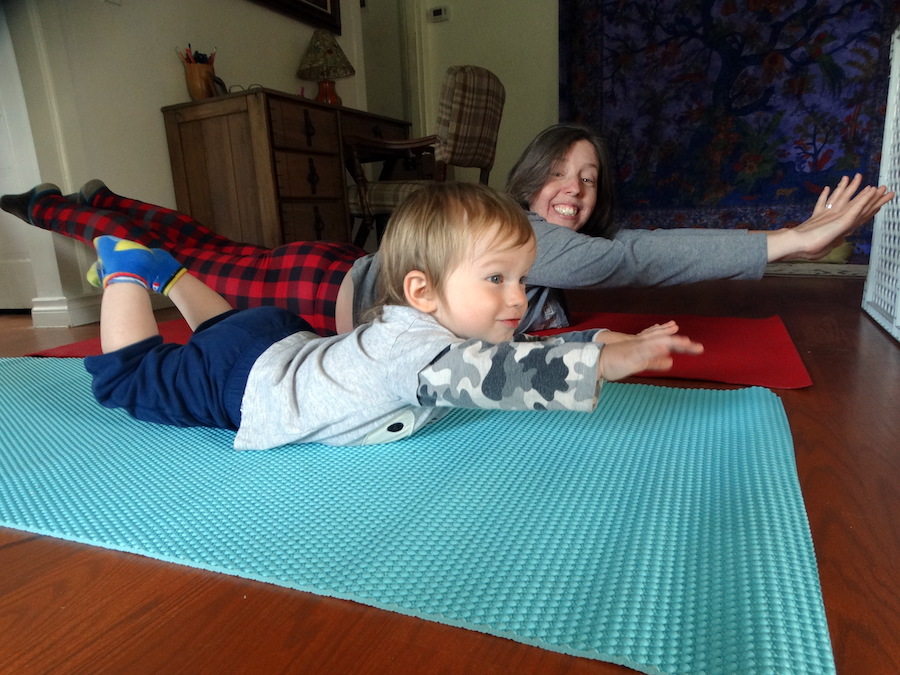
x: 119, y: 260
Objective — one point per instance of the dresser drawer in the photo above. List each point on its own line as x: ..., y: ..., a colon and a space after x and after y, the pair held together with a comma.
x: 300, y: 174
x: 303, y: 127
x: 305, y: 221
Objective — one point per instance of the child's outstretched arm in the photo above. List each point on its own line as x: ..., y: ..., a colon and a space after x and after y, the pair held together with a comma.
x: 651, y: 349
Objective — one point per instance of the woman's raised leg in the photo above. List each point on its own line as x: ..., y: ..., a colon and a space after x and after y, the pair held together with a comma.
x: 179, y: 230
x: 301, y: 277
x: 45, y: 207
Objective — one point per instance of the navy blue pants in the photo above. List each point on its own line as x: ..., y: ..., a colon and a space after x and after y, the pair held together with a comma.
x: 200, y: 383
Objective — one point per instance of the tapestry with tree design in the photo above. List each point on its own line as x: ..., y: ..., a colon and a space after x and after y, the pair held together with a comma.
x: 729, y: 113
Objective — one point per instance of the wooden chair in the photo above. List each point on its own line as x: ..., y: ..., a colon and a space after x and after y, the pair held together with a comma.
x: 469, y: 115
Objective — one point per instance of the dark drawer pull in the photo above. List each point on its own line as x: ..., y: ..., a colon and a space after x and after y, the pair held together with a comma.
x: 313, y: 176
x: 309, y: 129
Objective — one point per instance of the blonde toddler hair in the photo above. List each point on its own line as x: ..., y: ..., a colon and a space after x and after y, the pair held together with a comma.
x: 433, y: 228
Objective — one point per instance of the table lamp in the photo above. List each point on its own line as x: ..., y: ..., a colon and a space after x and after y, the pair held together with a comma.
x: 324, y: 62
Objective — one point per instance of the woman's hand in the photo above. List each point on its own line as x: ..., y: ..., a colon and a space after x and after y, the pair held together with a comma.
x: 837, y: 213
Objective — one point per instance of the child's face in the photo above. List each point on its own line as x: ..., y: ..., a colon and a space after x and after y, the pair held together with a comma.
x: 570, y: 193
x: 484, y: 297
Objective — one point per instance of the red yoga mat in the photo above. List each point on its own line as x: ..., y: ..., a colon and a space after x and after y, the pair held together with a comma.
x: 176, y: 330
x: 737, y: 351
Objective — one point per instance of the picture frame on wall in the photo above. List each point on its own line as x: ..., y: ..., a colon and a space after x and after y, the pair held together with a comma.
x: 318, y: 13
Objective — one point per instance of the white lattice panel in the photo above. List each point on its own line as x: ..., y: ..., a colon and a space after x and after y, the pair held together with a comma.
x: 882, y: 295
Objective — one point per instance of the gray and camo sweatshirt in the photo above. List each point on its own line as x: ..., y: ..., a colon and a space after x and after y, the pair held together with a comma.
x: 389, y: 378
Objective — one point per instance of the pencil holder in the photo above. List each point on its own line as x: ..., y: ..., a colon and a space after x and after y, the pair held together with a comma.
x: 199, y: 78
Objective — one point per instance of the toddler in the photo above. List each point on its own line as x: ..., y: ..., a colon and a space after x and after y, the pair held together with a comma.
x: 455, y: 259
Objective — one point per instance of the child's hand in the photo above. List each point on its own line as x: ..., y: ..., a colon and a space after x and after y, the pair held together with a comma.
x: 652, y: 349
x: 608, y: 337
x: 667, y: 328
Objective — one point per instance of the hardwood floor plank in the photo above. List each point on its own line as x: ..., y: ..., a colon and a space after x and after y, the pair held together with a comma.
x: 18, y: 336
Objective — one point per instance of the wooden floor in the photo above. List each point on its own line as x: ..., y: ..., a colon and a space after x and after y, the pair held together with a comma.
x: 19, y: 338
x: 66, y: 607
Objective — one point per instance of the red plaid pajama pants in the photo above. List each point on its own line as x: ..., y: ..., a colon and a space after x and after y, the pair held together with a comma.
x: 302, y: 277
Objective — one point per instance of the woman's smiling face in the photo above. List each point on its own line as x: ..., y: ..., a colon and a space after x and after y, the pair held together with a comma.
x: 570, y: 194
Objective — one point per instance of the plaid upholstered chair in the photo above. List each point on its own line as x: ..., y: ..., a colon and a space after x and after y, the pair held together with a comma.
x: 469, y: 114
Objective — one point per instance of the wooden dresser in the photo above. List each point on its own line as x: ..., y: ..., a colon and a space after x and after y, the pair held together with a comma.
x: 265, y: 167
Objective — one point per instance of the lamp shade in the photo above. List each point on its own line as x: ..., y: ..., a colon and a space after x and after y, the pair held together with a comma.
x: 324, y: 59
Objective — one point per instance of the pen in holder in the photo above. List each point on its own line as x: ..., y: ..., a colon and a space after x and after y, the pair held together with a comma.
x: 200, y: 80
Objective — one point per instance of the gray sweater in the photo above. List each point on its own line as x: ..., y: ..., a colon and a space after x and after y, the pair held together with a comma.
x: 567, y: 259
x: 385, y: 380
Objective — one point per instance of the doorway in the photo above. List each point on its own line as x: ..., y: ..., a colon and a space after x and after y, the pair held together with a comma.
x: 18, y: 172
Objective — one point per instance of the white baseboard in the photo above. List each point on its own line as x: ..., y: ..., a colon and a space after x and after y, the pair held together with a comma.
x: 63, y: 312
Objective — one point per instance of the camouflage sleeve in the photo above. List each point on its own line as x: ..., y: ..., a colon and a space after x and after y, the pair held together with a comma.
x: 569, y: 336
x: 552, y: 373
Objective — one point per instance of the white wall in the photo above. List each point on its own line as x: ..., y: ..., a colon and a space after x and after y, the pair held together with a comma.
x: 108, y: 68
x: 384, y: 39
x: 18, y: 167
x: 518, y: 41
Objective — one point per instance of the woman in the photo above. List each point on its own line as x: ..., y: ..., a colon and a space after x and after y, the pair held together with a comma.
x: 561, y: 178
x: 576, y: 193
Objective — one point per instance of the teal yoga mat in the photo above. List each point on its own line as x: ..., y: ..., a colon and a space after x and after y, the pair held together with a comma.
x: 666, y: 531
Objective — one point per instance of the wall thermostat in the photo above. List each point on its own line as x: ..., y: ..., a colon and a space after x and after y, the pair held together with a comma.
x: 436, y: 14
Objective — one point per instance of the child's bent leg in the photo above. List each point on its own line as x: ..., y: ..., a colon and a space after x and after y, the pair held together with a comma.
x: 125, y: 263
x: 196, y: 301
x: 126, y: 316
